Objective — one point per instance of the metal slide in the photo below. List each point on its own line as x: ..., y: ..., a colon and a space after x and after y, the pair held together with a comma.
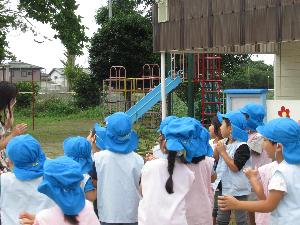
x: 153, y: 97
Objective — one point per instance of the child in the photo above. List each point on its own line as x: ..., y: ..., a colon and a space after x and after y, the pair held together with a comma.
x: 201, y: 190
x: 260, y: 178
x: 61, y: 183
x: 8, y: 94
x: 216, y: 136
x: 169, y: 195
x: 233, y: 156
x: 283, y: 198
x: 156, y: 150
x: 19, y: 189
x: 79, y: 149
x: 214, y: 130
x: 255, y: 114
x: 118, y: 170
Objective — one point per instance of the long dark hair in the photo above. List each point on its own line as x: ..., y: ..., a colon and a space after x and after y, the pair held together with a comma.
x: 171, y: 164
x: 71, y: 219
x: 8, y: 91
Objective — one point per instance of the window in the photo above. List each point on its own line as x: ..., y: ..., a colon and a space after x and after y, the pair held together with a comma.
x: 163, y: 14
x: 29, y: 73
x: 23, y: 74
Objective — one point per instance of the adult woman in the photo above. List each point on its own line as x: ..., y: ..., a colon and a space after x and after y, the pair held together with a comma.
x: 8, y: 93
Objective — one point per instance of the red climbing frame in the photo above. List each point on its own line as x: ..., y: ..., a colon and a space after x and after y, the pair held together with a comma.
x: 208, y: 74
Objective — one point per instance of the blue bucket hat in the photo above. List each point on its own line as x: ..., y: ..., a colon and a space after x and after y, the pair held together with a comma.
x: 62, y: 178
x: 80, y: 150
x: 238, y: 124
x: 118, y: 136
x: 256, y: 113
x: 165, y: 122
x: 27, y: 155
x: 99, y: 142
x: 286, y: 132
x: 187, y: 134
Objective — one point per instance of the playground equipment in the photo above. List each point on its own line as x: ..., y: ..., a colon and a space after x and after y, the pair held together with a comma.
x: 137, y: 96
x: 153, y: 97
x: 122, y: 92
x: 208, y: 75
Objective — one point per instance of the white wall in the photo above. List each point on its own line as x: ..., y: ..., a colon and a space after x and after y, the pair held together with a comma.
x: 273, y: 106
x: 60, y: 79
x: 287, y: 71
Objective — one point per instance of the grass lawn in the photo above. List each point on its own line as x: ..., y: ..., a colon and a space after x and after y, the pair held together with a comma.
x: 51, y: 132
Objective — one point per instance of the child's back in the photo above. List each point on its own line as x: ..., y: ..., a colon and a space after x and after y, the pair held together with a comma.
x: 19, y: 189
x: 157, y: 205
x: 199, y: 199
x: 18, y: 196
x: 118, y: 186
x: 55, y: 216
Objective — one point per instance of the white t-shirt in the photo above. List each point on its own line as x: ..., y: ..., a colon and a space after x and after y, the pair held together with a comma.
x: 118, y: 186
x: 157, y: 205
x: 20, y: 196
x: 277, y: 183
x: 286, y: 179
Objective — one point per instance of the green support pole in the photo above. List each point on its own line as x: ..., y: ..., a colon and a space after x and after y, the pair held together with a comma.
x: 191, y: 85
x: 169, y: 97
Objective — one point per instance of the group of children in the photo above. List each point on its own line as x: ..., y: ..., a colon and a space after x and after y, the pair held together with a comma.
x: 232, y: 161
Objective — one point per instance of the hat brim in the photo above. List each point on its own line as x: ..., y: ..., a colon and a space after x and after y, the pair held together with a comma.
x: 125, y: 147
x: 264, y: 132
x: 291, y: 152
x: 252, y: 124
x: 27, y: 174
x: 239, y: 134
x: 71, y: 202
x: 99, y: 141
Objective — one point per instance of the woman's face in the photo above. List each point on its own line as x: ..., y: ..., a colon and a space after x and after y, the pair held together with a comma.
x: 225, y: 130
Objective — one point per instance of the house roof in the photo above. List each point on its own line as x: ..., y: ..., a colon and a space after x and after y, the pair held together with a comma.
x: 20, y: 65
x: 61, y: 71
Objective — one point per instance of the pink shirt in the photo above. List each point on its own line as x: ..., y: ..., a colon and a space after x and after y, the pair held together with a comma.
x: 199, y: 200
x: 55, y: 216
x: 265, y: 173
x: 157, y: 205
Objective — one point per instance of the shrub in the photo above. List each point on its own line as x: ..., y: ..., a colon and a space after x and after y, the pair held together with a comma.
x: 86, y: 91
x: 25, y: 100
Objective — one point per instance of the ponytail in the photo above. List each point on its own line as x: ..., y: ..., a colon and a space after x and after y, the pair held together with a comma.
x: 71, y: 219
x: 171, y: 164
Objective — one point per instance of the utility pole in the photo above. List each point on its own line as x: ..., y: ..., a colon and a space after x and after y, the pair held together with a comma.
x: 110, y: 8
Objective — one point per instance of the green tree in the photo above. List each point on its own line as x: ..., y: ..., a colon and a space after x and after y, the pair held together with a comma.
x: 254, y: 74
x: 61, y: 15
x: 9, y: 18
x: 125, y: 39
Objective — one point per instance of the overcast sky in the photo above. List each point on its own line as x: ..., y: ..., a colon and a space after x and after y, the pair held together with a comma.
x: 49, y: 53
